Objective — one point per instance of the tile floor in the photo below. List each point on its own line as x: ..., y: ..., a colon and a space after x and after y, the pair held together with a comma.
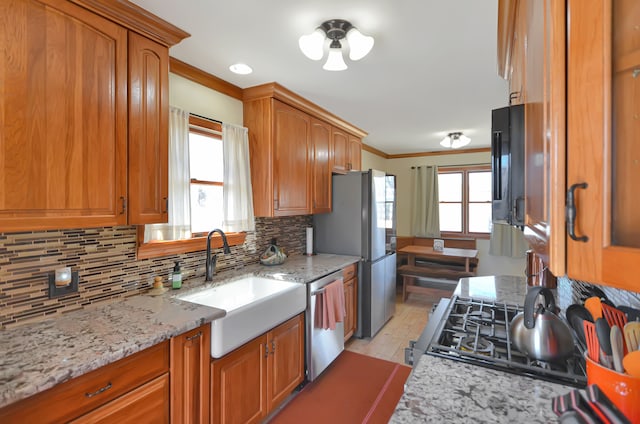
x: 406, y: 324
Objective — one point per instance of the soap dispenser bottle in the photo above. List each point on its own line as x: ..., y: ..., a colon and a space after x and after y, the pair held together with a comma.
x: 176, y: 276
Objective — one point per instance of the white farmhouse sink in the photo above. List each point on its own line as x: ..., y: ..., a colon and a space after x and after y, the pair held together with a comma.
x: 254, y: 305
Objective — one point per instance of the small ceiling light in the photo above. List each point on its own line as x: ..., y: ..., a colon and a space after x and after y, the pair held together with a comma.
x: 455, y: 140
x: 240, y: 68
x: 338, y: 31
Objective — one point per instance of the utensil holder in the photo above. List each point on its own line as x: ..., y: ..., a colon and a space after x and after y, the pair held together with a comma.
x: 622, y: 389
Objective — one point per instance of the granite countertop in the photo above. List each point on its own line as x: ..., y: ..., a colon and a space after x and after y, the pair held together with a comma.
x: 443, y: 390
x: 38, y: 356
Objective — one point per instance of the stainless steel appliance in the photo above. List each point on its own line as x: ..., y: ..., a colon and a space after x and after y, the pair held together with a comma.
x: 507, y: 164
x: 362, y: 209
x: 322, y: 346
x: 477, y: 332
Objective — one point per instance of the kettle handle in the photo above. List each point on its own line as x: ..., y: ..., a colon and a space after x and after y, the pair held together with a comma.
x: 529, y: 304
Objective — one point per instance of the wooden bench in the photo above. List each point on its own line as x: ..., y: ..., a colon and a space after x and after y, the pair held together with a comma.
x: 411, y: 273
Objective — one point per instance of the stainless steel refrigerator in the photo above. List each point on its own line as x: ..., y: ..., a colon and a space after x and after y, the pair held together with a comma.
x: 358, y: 225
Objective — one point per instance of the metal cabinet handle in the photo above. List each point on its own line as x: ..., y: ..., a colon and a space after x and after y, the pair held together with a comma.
x: 124, y: 205
x: 571, y: 212
x: 195, y: 336
x: 103, y: 389
x: 266, y: 350
x: 166, y: 205
x: 273, y: 346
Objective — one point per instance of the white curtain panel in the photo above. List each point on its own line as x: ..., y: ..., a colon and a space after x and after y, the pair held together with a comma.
x: 507, y: 241
x: 237, y: 193
x: 425, y: 211
x: 179, y: 225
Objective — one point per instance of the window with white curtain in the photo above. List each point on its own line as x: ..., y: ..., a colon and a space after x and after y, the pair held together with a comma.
x: 209, y: 186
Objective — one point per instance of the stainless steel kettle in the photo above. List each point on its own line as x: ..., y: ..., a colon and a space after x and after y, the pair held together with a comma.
x: 538, y: 332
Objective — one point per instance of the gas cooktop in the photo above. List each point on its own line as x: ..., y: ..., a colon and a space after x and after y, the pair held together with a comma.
x: 478, y: 332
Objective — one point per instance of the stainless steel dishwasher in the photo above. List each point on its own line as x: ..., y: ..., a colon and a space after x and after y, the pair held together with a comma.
x: 322, y: 346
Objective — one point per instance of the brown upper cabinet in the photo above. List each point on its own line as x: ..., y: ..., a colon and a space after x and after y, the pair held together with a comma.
x: 347, y: 152
x: 85, y: 110
x: 321, y: 162
x: 603, y: 125
x: 291, y: 143
x: 579, y: 87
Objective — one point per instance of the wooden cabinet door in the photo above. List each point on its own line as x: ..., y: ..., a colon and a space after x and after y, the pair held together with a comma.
x: 190, y: 382
x: 349, y: 322
x: 63, y: 131
x: 603, y: 126
x: 238, y: 393
x: 355, y: 154
x: 516, y: 78
x: 148, y: 130
x: 340, y: 141
x: 291, y: 137
x: 545, y: 130
x: 286, y: 360
x: 321, y: 175
x: 148, y: 403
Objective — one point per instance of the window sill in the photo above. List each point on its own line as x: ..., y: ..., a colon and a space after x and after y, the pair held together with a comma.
x: 476, y: 236
x: 175, y: 247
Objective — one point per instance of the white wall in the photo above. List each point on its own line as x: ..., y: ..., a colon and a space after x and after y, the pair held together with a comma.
x: 198, y: 99
x: 488, y: 265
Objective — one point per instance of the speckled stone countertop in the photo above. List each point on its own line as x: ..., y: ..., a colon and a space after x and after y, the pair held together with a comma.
x: 35, y: 357
x: 440, y: 390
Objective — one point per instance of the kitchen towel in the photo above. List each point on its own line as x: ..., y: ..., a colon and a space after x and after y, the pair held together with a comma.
x: 330, y: 307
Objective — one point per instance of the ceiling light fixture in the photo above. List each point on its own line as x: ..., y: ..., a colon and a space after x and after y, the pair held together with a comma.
x: 336, y: 30
x: 455, y: 140
x: 240, y: 68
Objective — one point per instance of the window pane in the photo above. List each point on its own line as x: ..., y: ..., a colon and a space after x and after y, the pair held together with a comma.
x: 205, y: 157
x: 451, y: 217
x: 206, y: 207
x: 480, y: 186
x: 450, y: 187
x: 479, y: 217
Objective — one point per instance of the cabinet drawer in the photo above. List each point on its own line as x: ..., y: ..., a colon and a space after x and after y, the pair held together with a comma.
x: 148, y: 403
x: 349, y: 272
x: 82, y: 394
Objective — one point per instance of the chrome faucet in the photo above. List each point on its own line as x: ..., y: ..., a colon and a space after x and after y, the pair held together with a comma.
x: 211, y: 260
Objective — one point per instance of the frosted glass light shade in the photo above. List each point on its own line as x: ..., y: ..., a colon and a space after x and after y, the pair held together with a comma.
x: 455, y: 141
x: 335, y: 62
x: 312, y: 44
x: 359, y: 45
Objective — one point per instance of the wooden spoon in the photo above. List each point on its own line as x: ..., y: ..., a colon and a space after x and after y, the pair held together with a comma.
x: 631, y: 363
x: 632, y: 335
x: 594, y: 305
x: 617, y: 348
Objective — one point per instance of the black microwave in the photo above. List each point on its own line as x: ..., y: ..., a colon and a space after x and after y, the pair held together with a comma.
x: 507, y: 165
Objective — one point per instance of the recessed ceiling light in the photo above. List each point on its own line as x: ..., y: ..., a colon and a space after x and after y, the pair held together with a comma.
x: 240, y: 68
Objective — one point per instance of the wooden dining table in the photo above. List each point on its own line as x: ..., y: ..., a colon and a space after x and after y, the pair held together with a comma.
x: 427, y: 252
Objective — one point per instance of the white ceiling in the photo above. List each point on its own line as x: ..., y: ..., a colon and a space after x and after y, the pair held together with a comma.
x: 432, y: 69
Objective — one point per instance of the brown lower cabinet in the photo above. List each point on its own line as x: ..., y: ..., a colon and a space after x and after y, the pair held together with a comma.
x: 350, y: 282
x: 190, y: 381
x: 119, y: 392
x: 251, y: 381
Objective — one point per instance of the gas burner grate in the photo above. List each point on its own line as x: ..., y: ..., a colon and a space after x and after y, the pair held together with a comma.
x: 478, y: 332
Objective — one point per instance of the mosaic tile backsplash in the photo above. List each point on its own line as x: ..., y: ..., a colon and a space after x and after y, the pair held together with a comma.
x: 106, y: 261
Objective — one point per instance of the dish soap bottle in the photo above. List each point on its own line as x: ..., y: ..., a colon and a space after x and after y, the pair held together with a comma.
x: 176, y: 276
